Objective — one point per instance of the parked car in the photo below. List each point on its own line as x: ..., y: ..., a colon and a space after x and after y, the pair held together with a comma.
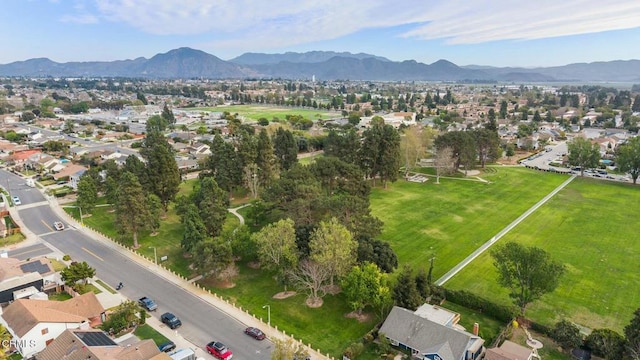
x: 59, y: 226
x: 16, y: 200
x: 219, y: 350
x: 148, y: 304
x: 171, y: 320
x: 167, y: 346
x: 255, y: 333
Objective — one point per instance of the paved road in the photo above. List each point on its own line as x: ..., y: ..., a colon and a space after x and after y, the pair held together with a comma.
x: 28, y: 252
x: 202, y: 322
x: 86, y: 143
x: 542, y: 159
x: 502, y: 232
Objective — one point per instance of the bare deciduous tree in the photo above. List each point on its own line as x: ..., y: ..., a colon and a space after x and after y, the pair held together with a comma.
x: 443, y: 162
x: 312, y: 277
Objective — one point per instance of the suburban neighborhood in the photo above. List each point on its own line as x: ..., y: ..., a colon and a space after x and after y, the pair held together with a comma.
x: 79, y: 160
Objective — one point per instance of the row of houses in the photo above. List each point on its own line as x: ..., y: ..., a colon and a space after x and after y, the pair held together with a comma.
x: 43, y: 329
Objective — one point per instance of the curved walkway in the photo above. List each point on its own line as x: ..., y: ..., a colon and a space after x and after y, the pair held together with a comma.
x: 235, y: 212
x: 502, y: 232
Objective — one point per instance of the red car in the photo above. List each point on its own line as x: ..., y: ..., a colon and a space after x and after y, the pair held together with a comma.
x: 255, y: 333
x: 219, y: 350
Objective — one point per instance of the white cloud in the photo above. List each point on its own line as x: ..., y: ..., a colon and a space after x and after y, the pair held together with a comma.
x: 281, y: 23
x: 503, y: 20
x: 80, y: 15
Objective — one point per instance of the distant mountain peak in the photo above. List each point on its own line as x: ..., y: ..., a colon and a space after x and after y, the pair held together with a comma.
x: 188, y: 63
x: 297, y: 57
x: 443, y: 63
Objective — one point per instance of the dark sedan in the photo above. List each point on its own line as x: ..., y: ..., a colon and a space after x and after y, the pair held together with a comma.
x: 255, y: 333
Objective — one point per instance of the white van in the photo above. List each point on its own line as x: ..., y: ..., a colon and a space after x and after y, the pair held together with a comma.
x: 183, y: 354
x: 31, y: 183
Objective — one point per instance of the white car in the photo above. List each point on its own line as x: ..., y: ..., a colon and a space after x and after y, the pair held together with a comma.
x: 58, y: 226
x: 16, y: 200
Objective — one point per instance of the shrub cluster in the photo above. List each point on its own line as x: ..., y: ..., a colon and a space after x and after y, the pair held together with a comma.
x: 475, y: 302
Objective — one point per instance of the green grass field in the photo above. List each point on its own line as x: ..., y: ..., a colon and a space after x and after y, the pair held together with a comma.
x: 256, y: 112
x: 145, y: 331
x: 452, y: 219
x: 590, y: 227
x: 325, y: 327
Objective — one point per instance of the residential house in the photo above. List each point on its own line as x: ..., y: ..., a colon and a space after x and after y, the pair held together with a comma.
x: 110, y: 154
x: 43, y: 162
x: 81, y: 344
x: 186, y: 165
x: 7, y: 147
x: 49, y: 123
x: 432, y: 337
x: 16, y: 275
x: 21, y: 157
x: 200, y: 149
x: 180, y: 147
x: 35, y: 135
x: 36, y: 323
x: 73, y: 172
x: 510, y: 351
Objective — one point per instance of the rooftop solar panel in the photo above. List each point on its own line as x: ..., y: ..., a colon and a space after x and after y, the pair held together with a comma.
x: 95, y: 338
x: 34, y: 266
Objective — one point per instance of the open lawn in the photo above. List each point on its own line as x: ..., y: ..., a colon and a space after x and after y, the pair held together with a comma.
x: 145, y: 331
x: 590, y: 227
x: 325, y: 327
x: 452, y: 219
x: 256, y: 112
x: 12, y: 239
x: 61, y: 296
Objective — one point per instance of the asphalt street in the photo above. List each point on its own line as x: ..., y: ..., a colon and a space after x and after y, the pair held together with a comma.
x: 542, y: 159
x: 28, y: 252
x: 86, y: 143
x: 202, y: 322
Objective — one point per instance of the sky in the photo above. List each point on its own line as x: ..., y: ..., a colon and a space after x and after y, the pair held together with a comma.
x: 522, y: 33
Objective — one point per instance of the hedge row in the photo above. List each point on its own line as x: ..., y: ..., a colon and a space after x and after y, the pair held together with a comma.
x: 467, y: 299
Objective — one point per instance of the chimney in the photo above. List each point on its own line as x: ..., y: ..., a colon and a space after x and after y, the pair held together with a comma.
x: 476, y: 329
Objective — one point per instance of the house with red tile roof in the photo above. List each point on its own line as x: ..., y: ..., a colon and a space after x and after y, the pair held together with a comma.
x: 20, y: 157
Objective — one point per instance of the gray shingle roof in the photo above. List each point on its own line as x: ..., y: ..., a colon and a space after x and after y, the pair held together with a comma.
x: 425, y: 336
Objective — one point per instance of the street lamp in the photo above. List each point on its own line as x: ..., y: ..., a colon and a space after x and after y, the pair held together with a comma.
x: 155, y: 254
x: 79, y: 208
x: 268, y: 314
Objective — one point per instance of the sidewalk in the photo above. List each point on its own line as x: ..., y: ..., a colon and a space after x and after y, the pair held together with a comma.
x: 30, y: 237
x: 106, y: 298
x: 230, y: 309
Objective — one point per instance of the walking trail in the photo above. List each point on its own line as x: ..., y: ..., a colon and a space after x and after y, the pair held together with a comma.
x: 235, y: 212
x: 502, y: 232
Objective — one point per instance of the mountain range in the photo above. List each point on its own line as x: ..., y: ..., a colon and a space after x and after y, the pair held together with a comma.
x: 323, y: 65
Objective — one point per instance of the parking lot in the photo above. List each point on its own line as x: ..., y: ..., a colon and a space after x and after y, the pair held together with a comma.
x: 555, y: 153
